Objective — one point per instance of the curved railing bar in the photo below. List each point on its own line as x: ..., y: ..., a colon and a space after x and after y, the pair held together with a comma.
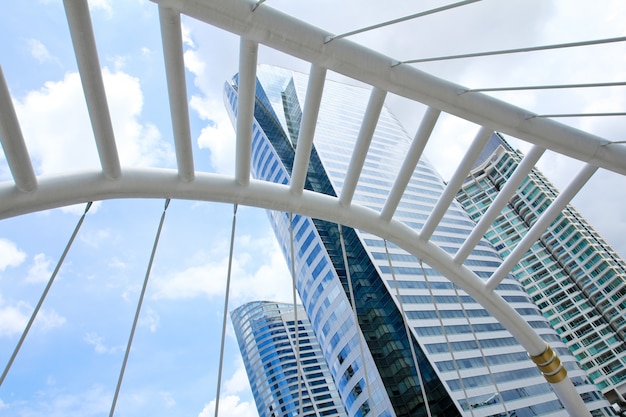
x: 302, y: 40
x: 166, y: 183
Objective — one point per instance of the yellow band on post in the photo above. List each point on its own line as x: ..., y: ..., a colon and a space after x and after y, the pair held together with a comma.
x: 551, y: 366
x: 543, y: 358
x: 558, y: 376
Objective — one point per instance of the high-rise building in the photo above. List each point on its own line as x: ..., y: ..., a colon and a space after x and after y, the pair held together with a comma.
x: 576, y: 278
x: 449, y: 356
x: 271, y: 349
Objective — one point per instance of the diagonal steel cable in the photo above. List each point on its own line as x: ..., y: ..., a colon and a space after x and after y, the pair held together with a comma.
x: 408, y: 331
x: 398, y: 20
x: 295, y: 313
x: 44, y: 294
x: 139, y: 303
x: 226, y: 297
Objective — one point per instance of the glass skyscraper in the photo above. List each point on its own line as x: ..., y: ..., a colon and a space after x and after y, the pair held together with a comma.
x: 266, y: 333
x: 466, y: 362
x: 577, y: 280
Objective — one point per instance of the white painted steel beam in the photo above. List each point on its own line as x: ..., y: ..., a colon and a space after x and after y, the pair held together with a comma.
x: 245, y: 108
x: 13, y: 143
x: 302, y: 40
x: 540, y: 226
x: 368, y: 125
x: 314, y: 90
x: 284, y: 33
x: 172, y: 38
x: 160, y: 183
x: 456, y: 182
x: 410, y: 162
x: 84, y: 42
x: 505, y: 194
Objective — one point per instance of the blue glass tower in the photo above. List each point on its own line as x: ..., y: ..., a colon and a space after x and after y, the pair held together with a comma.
x: 266, y: 333
x: 468, y: 364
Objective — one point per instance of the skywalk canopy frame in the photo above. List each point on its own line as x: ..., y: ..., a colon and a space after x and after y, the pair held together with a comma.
x: 256, y: 24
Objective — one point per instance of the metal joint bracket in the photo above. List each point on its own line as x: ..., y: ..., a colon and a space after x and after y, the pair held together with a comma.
x: 550, y: 365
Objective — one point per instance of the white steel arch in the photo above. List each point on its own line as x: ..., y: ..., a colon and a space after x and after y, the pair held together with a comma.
x: 264, y: 25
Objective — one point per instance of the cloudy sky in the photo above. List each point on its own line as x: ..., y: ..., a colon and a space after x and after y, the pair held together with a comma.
x: 70, y: 361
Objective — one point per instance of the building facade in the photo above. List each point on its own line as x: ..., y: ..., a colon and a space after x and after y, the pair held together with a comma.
x: 576, y: 278
x: 466, y: 362
x: 271, y: 349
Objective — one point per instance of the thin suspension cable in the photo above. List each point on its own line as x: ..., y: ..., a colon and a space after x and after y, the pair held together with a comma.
x: 356, y: 318
x: 226, y: 296
x: 545, y: 87
x: 139, y: 303
x: 445, y: 335
x: 408, y: 332
x: 257, y: 4
x: 576, y: 115
x: 295, y: 312
x: 44, y: 294
x: 480, y: 347
x: 401, y: 19
x: 514, y: 51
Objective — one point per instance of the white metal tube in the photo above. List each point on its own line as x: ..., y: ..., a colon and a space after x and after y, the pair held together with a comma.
x: 245, y: 108
x: 368, y: 125
x: 455, y: 182
x: 540, y: 226
x: 86, y: 51
x: 172, y: 40
x: 410, y: 162
x: 302, y: 40
x: 13, y: 142
x: 312, y: 102
x: 159, y: 183
x: 505, y: 194
x: 570, y: 398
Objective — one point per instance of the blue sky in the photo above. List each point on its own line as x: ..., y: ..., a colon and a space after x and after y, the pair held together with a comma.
x: 70, y: 361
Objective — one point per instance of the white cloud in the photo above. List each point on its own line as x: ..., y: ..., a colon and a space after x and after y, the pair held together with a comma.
x: 117, y: 263
x: 186, y: 33
x: 150, y: 319
x: 15, y: 316
x: 13, y: 319
x: 269, y: 280
x: 232, y: 406
x: 55, y: 145
x: 238, y: 381
x: 168, y: 399
x: 40, y: 270
x: 218, y: 135
x: 10, y: 255
x: 49, y: 319
x: 95, y: 401
x: 100, y: 347
x: 39, y: 51
x: 194, y: 62
x: 94, y: 238
x: 206, y: 279
x: 104, y: 5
